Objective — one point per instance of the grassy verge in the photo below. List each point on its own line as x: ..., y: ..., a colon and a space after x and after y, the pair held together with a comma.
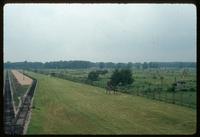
x: 65, y: 107
x: 147, y: 82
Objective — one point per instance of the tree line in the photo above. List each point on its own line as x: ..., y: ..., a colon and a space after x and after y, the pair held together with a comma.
x: 102, y: 65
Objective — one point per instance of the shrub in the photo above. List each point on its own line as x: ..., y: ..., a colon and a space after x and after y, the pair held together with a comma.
x: 93, y: 76
x: 121, y: 77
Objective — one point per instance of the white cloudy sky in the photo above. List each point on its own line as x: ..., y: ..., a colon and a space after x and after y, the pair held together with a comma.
x: 100, y: 32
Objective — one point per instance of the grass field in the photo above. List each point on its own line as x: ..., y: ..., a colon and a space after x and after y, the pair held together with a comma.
x: 65, y: 107
x: 141, y: 77
x: 146, y: 82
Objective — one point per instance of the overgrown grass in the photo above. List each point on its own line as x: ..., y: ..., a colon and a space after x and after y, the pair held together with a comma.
x: 65, y: 107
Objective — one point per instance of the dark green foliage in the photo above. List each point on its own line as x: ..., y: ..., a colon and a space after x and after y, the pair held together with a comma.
x: 115, y: 77
x: 121, y: 77
x: 93, y: 76
x: 154, y: 77
x: 192, y: 89
x: 161, y: 79
x: 126, y: 77
x: 173, y: 87
x: 35, y: 70
x: 53, y: 74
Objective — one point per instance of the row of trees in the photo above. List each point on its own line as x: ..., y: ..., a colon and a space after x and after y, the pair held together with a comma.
x: 102, y: 65
x: 146, y: 65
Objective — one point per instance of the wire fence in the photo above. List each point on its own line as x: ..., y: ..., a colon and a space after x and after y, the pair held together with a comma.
x: 187, y: 99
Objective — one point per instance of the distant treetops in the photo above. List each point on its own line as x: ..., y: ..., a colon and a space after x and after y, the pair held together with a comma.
x: 76, y: 64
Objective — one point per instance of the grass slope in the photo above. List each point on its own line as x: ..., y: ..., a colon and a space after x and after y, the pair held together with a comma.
x: 65, y: 107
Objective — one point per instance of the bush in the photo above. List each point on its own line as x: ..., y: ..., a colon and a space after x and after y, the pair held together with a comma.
x: 121, y: 77
x: 93, y: 76
x: 192, y: 89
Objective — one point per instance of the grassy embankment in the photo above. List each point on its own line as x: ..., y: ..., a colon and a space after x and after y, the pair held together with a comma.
x: 65, y: 107
x: 146, y: 82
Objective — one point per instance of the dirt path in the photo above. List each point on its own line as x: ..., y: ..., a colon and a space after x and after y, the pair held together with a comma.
x: 22, y: 79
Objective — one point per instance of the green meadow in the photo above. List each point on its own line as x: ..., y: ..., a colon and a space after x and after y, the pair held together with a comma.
x: 66, y: 107
x: 146, y: 83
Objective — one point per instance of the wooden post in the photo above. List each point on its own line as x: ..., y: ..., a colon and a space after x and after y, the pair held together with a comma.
x: 190, y: 97
x: 153, y: 94
x: 159, y: 95
x: 181, y: 98
x: 173, y: 97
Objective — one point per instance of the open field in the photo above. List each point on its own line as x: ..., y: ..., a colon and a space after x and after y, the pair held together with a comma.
x: 146, y: 83
x: 142, y: 78
x: 65, y: 107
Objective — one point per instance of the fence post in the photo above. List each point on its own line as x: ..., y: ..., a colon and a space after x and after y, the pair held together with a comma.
x: 153, y: 94
x: 159, y: 95
x: 173, y: 97
x: 181, y: 98
x: 190, y: 98
x: 143, y: 93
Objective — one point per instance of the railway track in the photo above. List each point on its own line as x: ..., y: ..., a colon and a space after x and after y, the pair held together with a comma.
x: 9, y: 114
x: 15, y: 124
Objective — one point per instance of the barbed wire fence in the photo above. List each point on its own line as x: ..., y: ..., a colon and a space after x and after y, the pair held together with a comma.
x: 187, y: 99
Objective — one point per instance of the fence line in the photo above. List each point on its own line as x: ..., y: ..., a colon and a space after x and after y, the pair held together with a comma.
x: 151, y: 94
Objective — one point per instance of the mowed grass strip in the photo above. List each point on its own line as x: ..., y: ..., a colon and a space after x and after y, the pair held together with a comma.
x: 65, y: 107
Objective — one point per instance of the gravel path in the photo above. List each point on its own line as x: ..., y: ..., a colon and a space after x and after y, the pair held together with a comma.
x: 22, y: 79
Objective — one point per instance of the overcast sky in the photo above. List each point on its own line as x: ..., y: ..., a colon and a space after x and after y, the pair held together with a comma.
x: 100, y: 32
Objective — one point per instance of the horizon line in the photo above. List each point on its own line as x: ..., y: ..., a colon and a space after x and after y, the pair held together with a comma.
x: 104, y: 62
